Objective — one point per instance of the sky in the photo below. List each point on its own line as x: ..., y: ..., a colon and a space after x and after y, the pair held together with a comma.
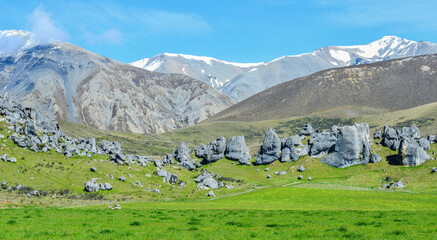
x: 231, y: 30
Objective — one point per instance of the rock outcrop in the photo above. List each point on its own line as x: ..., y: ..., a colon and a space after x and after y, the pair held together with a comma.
x: 237, y: 150
x: 271, y: 148
x: 322, y: 143
x: 352, y: 147
x: 411, y: 153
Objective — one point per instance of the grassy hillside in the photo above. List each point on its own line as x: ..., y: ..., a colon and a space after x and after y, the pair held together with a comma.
x: 423, y: 116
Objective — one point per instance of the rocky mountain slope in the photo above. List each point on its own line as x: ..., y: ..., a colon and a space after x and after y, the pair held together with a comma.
x: 69, y: 83
x: 240, y: 81
x: 389, y: 85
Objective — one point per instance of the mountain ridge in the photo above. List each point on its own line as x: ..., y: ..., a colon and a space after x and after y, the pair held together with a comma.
x: 389, y: 85
x: 70, y: 83
x: 240, y: 83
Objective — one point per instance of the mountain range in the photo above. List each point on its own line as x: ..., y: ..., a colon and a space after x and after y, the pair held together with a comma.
x: 68, y: 83
x: 242, y: 80
x: 344, y: 92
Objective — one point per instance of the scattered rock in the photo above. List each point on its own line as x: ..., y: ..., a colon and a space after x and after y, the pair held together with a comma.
x: 35, y: 193
x: 268, y: 176
x: 161, y: 173
x: 375, y: 158
x: 433, y: 170
x: 210, y: 194
x: 398, y: 184
x: 156, y: 190
x: 299, y: 177
x: 93, y: 169
x: 122, y: 179
x: 108, y: 186
x: 205, y: 180
x: 301, y: 168
x: 281, y: 173
x: 309, y: 178
x: 92, y: 186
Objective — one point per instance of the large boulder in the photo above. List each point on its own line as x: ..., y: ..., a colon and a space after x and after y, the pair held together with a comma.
x: 269, y: 151
x: 117, y: 158
x: 237, y: 150
x: 189, y: 164
x: 108, y: 147
x: 375, y: 158
x: 182, y: 153
x: 92, y: 185
x: 205, y: 180
x: 322, y: 143
x: 200, y: 151
x: 292, y: 141
x: 390, y: 138
x: 215, y: 150
x: 307, y: 130
x: 411, y: 153
x: 410, y: 132
x: 425, y: 144
x: 285, y: 155
x: 377, y: 135
x: 352, y: 147
x: 297, y: 152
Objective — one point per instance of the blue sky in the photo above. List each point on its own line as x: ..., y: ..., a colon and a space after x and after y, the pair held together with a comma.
x: 232, y: 30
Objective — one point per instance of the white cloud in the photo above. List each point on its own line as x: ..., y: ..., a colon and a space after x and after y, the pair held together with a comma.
x: 44, y: 29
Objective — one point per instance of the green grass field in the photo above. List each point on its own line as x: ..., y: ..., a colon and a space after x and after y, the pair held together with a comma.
x: 273, y: 212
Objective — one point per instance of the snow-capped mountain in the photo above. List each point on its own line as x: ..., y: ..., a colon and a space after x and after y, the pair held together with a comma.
x: 240, y: 81
x: 66, y: 82
x: 211, y: 70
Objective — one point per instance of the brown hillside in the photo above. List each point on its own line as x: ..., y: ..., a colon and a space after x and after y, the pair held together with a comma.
x: 373, y: 88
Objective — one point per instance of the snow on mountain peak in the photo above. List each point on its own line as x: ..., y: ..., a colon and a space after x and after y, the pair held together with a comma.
x: 12, y: 41
x: 210, y: 60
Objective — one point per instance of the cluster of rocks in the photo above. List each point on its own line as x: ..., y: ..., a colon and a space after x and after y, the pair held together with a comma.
x: 34, y: 131
x: 93, y: 186
x: 30, y: 192
x: 234, y: 149
x: 397, y: 184
x: 167, y: 176
x: 410, y: 145
x: 348, y: 145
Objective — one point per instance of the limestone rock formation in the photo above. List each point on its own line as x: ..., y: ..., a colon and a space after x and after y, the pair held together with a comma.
x: 352, y: 147
x: 271, y: 148
x: 236, y: 149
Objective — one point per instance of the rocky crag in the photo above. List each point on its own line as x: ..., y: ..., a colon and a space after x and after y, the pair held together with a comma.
x: 69, y: 83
